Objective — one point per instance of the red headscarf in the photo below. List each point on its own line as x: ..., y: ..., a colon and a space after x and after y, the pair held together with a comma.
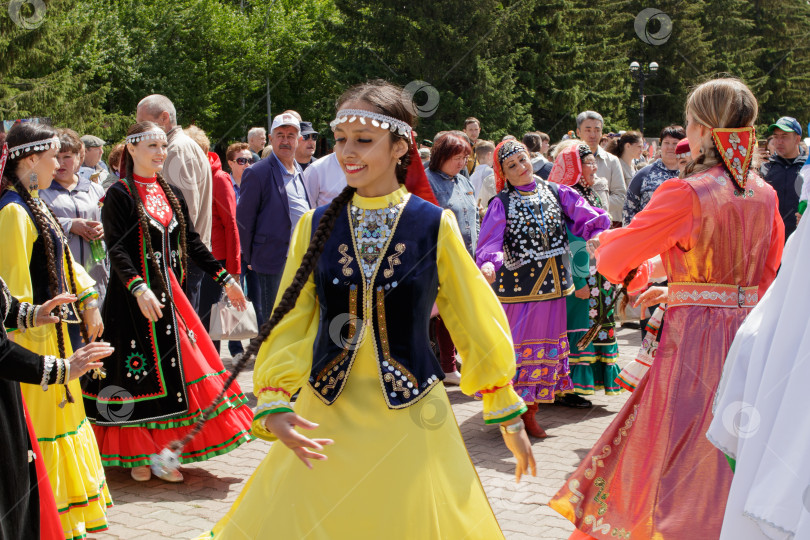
x: 504, y: 150
x: 567, y: 169
x: 416, y: 181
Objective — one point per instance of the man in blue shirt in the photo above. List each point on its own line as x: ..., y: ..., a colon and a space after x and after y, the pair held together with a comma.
x: 272, y: 198
x: 647, y: 180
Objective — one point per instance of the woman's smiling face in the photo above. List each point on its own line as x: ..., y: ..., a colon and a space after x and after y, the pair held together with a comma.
x: 367, y: 154
x: 517, y: 169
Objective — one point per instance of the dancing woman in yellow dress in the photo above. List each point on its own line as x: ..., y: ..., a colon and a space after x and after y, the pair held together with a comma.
x: 37, y: 265
x: 351, y: 327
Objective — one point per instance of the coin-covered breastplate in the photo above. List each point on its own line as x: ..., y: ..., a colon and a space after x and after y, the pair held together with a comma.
x: 536, y: 262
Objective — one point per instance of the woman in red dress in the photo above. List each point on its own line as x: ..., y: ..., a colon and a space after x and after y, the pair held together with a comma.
x: 165, y: 370
x: 653, y: 473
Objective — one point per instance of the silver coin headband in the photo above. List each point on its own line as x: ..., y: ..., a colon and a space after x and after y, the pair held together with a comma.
x: 151, y: 135
x: 509, y: 148
x: 377, y: 120
x: 36, y: 146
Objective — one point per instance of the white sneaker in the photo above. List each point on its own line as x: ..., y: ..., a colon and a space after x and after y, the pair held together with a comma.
x: 452, y: 378
x: 141, y: 474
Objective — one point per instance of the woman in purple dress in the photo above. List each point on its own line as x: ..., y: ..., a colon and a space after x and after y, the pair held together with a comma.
x: 523, y: 252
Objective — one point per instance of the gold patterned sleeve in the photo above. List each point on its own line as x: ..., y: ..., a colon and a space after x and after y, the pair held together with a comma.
x: 285, y: 359
x: 478, y: 326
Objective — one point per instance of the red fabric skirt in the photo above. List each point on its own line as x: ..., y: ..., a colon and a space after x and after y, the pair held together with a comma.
x: 204, y: 375
x: 50, y: 527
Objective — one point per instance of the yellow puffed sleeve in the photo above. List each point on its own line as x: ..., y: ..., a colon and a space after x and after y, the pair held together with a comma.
x: 478, y: 325
x: 284, y: 360
x: 19, y: 235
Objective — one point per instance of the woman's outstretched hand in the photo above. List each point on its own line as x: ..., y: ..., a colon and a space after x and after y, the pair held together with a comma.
x: 236, y: 296
x: 488, y: 269
x: 283, y: 425
x: 150, y: 306
x: 518, y: 443
x: 95, y: 326
x: 592, y: 245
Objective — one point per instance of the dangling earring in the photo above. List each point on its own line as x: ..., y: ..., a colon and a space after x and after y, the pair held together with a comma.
x: 33, y: 181
x: 399, y: 162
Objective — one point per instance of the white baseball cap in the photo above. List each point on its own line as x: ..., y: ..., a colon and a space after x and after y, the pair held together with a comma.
x: 285, y: 119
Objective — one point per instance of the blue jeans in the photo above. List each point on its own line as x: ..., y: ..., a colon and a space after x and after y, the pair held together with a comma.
x: 194, y: 279
x: 268, y: 285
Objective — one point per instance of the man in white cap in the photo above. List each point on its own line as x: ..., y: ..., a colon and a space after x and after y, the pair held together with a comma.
x: 272, y: 198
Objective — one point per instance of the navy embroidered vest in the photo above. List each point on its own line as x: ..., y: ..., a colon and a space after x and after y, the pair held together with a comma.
x: 394, y: 312
x: 533, y: 269
x: 38, y: 265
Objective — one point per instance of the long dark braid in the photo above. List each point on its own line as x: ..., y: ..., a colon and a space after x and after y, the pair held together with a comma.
x: 144, y: 224
x: 82, y: 325
x: 54, y: 285
x: 388, y: 99
x: 620, y: 292
x: 285, y: 305
x: 181, y: 220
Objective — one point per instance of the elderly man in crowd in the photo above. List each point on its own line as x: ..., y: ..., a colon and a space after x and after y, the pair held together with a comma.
x: 188, y: 170
x: 256, y: 139
x: 272, y: 198
x: 93, y: 168
x: 589, y: 129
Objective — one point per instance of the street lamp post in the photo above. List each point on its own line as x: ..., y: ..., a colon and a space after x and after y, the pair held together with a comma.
x: 641, y: 74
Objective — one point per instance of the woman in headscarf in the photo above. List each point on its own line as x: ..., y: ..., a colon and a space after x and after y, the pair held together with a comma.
x: 523, y: 252
x: 593, y: 367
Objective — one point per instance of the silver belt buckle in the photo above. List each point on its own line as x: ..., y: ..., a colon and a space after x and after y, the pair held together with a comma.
x: 740, y: 296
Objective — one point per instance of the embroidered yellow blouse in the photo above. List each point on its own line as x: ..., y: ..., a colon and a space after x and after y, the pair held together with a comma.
x: 466, y: 302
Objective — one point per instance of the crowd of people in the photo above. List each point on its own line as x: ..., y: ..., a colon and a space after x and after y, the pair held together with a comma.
x: 502, y: 267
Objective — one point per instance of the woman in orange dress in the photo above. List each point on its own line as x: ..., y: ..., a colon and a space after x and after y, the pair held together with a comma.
x: 653, y: 473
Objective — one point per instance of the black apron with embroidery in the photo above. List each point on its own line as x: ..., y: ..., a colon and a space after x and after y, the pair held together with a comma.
x: 147, y: 365
x: 536, y: 262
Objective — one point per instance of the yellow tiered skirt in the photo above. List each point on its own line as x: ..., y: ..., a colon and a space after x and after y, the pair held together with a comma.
x: 67, y: 445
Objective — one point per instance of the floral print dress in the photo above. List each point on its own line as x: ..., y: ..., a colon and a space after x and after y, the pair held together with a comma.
x: 593, y: 367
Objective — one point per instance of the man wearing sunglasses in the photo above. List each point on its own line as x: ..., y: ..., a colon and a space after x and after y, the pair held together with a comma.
x: 306, y: 145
